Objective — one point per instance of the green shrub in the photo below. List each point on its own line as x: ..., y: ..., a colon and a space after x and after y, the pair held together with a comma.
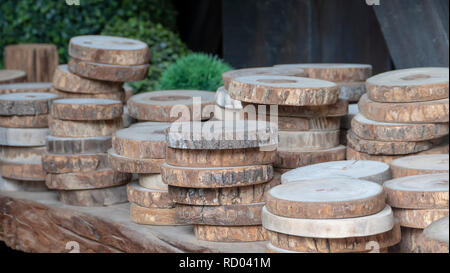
x: 195, y: 71
x: 165, y: 45
x: 43, y: 21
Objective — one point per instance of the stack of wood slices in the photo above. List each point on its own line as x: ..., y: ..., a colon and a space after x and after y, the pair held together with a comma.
x: 329, y: 215
x: 404, y: 112
x: 218, y: 173
x: 418, y: 201
x: 76, y: 158
x: 23, y: 129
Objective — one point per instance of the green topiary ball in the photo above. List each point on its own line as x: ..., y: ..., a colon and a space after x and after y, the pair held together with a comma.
x: 197, y: 71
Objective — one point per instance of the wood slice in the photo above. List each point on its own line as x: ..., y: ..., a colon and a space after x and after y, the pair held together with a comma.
x: 228, y: 76
x: 383, y: 131
x: 8, y: 185
x: 148, y: 198
x: 408, y: 85
x: 409, y: 242
x: 152, y: 181
x: 294, y: 158
x: 153, y: 216
x: 308, y: 124
x: 410, y: 112
x: 141, y: 141
x: 22, y: 154
x: 435, y: 237
x: 222, y: 135
x: 25, y: 87
x: 221, y: 177
x: 84, y: 145
x: 326, y: 198
x: 167, y: 105
x: 428, y: 191
x: 420, y: 164
x: 23, y: 137
x: 68, y: 95
x: 108, y: 72
x: 418, y: 218
x: 39, y: 61
x: 109, y: 50
x: 223, y: 196
x: 283, y: 90
x: 91, y: 128
x: 359, y: 169
x: 380, y: 222
x: 351, y: 91
x: 309, y: 140
x: 65, y: 81
x: 89, y: 180
x: 39, y: 121
x: 94, y: 197
x: 86, y: 109
x: 22, y: 170
x: 133, y: 165
x: 343, y: 245
x: 375, y: 147
x: 335, y: 72
x: 219, y: 158
x: 77, y: 163
x: 11, y: 76
x: 346, y: 121
x: 339, y: 109
x: 26, y: 104
x: 230, y: 233
x: 231, y: 215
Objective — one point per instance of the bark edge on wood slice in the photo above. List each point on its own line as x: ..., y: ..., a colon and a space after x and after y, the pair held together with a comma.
x: 420, y: 164
x: 418, y: 218
x: 351, y: 91
x: 82, y: 145
x: 308, y: 140
x: 133, y: 165
x: 85, y: 181
x: 148, y: 198
x: 23, y: 87
x: 335, y: 72
x: 68, y: 95
x: 25, y: 171
x: 36, y: 121
x: 83, y: 128
x: 153, y: 181
x: 26, y: 104
x: 294, y: 158
x: 94, y: 197
x: 23, y: 137
x: 230, y: 233
x: 435, y: 237
x: 86, y: 109
x: 76, y: 163
x: 153, y: 216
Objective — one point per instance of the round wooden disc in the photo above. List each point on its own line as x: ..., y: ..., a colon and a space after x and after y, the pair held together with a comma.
x: 339, y: 109
x: 8, y: 185
x: 88, y: 180
x: 420, y: 164
x: 335, y: 72
x: 222, y: 135
x: 223, y: 196
x: 351, y: 91
x: 428, y: 191
x: 110, y: 96
x: 375, y: 147
x: 274, y: 71
x: 230, y: 233
x: 86, y: 109
x: 148, y: 198
x: 346, y: 121
x: 232, y: 215
x: 23, y: 137
x: 21, y: 154
x: 109, y: 50
x: 74, y: 163
x: 410, y: 112
x: 219, y: 158
x: 153, y: 216
x: 294, y: 158
x: 308, y: 140
x: 380, y: 222
x: 435, y: 237
x: 108, y: 72
x: 141, y: 141
x: 8, y: 76
x: 283, y: 90
x: 84, y: 145
x: 25, y: 87
x: 90, y: 128
x: 359, y: 169
x: 418, y: 218
x: 326, y: 198
x: 158, y: 105
x: 133, y: 165
x: 94, y: 197
x: 26, y: 171
x: 152, y: 181
x: 39, y: 121
x: 407, y: 85
x: 342, y: 245
x: 308, y: 124
x: 65, y: 81
x: 25, y: 104
x: 384, y: 131
x: 221, y: 177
